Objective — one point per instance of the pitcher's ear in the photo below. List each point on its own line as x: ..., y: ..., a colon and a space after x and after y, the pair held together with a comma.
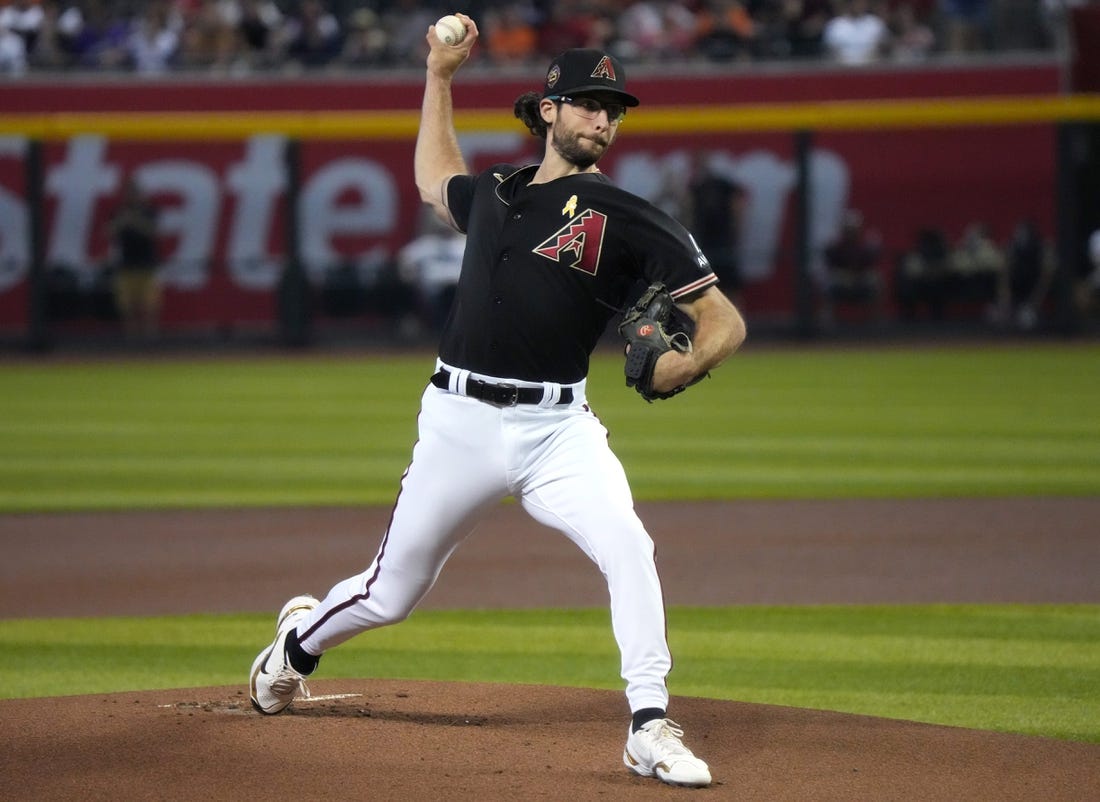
x: 544, y: 109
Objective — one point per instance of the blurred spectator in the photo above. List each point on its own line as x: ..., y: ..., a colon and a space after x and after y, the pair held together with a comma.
x: 911, y: 39
x: 13, y: 52
x: 655, y: 31
x: 49, y: 52
x: 966, y: 25
x: 207, y: 38
x: 851, y: 262
x: 725, y: 31
x: 133, y: 235
x: 267, y: 34
x: 432, y: 262
x: 679, y: 30
x: 67, y: 28
x: 669, y: 191
x: 313, y: 36
x: 1054, y: 22
x: 1087, y: 291
x: 576, y: 23
x: 101, y: 42
x: 508, y: 35
x: 804, y: 27
x: 1030, y: 272
x: 979, y: 272
x: 716, y: 205
x: 923, y: 275
x: 405, y: 24
x: 23, y: 18
x: 857, y: 35
x: 366, y: 43
x: 154, y: 42
x: 257, y: 24
x: 640, y: 31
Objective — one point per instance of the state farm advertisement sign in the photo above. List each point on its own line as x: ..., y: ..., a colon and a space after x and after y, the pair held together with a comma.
x: 224, y: 219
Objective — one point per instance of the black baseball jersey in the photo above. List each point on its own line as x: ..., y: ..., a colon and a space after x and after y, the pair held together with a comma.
x: 547, y: 265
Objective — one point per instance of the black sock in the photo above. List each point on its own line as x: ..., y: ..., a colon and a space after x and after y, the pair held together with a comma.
x: 300, y: 660
x: 645, y: 715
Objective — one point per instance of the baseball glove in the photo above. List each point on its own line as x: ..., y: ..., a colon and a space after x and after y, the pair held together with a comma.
x: 649, y: 332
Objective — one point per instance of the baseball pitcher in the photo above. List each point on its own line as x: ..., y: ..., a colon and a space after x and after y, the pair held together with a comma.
x: 553, y: 251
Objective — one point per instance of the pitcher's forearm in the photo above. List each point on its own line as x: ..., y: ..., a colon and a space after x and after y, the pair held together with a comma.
x: 437, y: 156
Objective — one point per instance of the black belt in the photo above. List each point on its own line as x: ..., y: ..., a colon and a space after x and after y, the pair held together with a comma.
x: 500, y: 394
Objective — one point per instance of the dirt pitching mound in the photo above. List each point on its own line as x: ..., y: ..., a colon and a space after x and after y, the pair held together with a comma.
x: 412, y: 740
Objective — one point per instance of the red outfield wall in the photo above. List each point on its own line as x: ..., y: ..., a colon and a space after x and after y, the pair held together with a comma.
x: 223, y: 222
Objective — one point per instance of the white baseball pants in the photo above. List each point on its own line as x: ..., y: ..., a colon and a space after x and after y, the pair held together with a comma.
x: 555, y: 459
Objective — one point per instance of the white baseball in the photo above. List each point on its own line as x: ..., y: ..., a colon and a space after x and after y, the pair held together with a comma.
x: 450, y: 30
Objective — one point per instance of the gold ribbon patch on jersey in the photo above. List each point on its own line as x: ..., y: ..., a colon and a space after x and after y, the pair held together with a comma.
x: 570, y: 207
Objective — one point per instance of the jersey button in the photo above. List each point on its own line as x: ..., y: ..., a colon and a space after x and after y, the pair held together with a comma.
x: 498, y: 300
x: 517, y: 215
x: 505, y: 255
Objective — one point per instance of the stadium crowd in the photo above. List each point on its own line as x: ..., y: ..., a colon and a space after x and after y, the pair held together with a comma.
x: 243, y: 36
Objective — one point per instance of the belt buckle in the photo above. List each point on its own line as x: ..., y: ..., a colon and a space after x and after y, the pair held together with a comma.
x: 504, y: 394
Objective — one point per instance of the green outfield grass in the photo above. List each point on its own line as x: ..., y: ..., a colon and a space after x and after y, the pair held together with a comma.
x: 1028, y: 669
x: 883, y: 423
x: 773, y: 423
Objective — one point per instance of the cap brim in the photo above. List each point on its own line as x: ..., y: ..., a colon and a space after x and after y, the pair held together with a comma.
x: 626, y: 98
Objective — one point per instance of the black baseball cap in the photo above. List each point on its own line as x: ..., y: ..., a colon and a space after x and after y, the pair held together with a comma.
x: 582, y: 70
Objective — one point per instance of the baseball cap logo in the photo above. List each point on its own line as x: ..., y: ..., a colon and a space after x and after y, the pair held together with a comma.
x: 553, y: 76
x: 605, y: 69
x: 645, y: 329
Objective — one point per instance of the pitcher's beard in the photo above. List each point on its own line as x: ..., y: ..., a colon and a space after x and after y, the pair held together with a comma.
x: 572, y: 149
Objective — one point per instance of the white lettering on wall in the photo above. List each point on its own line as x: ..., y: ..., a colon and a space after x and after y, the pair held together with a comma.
x: 768, y: 182
x: 15, y: 247
x: 257, y: 184
x: 77, y: 184
x: 358, y: 199
x: 830, y: 183
x: 323, y: 216
x: 193, y: 220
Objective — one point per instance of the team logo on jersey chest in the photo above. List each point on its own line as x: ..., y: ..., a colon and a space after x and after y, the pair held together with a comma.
x: 578, y: 243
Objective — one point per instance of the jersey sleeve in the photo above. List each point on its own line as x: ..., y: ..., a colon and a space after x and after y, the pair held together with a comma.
x: 462, y: 188
x: 460, y: 199
x: 666, y: 252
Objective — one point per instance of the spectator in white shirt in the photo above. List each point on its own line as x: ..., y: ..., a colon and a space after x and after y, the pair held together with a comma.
x: 13, y: 52
x: 432, y: 262
x: 154, y: 41
x: 1087, y: 289
x: 23, y: 18
x: 858, y: 35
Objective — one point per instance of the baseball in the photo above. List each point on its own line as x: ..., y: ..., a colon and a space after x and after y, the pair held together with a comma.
x: 450, y: 30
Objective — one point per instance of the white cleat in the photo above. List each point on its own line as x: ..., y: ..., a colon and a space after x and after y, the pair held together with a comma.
x: 656, y: 751
x: 273, y: 683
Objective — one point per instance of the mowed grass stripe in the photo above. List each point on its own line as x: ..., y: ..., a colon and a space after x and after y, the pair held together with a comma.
x: 1031, y: 669
x: 769, y: 424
